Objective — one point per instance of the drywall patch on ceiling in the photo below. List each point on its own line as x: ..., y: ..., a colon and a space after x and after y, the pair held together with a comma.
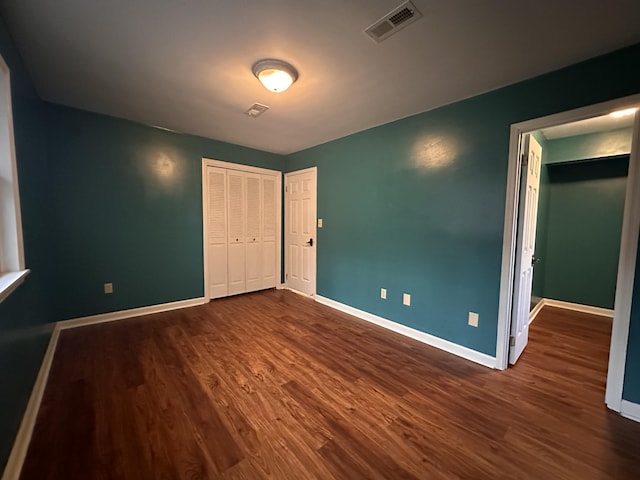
x: 394, y: 21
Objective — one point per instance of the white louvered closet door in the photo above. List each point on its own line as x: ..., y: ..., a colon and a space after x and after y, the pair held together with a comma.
x: 217, y: 232
x: 269, y: 231
x: 236, y: 231
x: 242, y: 231
x: 253, y: 243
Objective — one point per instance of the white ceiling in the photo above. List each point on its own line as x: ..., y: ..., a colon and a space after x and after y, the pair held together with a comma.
x: 603, y: 123
x: 185, y: 65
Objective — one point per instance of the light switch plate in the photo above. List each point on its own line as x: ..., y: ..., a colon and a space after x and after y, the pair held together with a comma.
x: 108, y: 288
x: 383, y: 293
x: 319, y: 223
x: 473, y: 319
x: 406, y: 299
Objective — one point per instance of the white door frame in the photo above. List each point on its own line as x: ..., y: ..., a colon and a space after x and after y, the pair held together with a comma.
x: 315, y: 272
x: 207, y: 162
x: 628, y: 247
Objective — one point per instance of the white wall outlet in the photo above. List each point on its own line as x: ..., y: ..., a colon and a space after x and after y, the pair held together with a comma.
x: 108, y: 288
x: 319, y: 223
x: 473, y: 319
x: 383, y: 293
x: 406, y: 299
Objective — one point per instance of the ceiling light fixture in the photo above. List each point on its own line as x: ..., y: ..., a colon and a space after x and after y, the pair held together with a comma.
x: 275, y: 75
x: 623, y: 113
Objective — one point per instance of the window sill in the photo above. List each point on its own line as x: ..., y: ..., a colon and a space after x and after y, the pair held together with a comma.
x: 9, y: 281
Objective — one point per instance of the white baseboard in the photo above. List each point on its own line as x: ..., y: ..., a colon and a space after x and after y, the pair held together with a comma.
x: 134, y: 312
x: 281, y: 286
x: 536, y: 310
x: 630, y: 410
x: 23, y: 438
x: 576, y: 307
x: 298, y: 292
x: 447, y: 346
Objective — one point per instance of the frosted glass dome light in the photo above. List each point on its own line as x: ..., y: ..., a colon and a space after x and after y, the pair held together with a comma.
x: 275, y: 75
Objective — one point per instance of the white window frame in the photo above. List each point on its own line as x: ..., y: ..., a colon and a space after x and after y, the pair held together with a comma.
x: 12, y: 265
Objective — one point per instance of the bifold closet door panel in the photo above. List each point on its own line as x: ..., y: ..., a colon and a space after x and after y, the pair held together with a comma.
x: 217, y: 232
x: 253, y: 241
x: 236, y: 232
x: 269, y: 231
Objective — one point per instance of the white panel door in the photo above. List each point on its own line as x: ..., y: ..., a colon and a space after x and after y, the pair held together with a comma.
x: 527, y: 217
x: 216, y: 234
x: 253, y: 232
x: 236, y: 231
x: 269, y: 231
x: 300, y: 230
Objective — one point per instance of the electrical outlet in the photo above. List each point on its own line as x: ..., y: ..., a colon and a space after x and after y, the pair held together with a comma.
x: 383, y: 293
x: 473, y: 319
x: 406, y: 299
x: 108, y: 288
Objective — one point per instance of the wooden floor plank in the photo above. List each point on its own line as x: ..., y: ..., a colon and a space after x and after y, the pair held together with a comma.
x: 273, y: 385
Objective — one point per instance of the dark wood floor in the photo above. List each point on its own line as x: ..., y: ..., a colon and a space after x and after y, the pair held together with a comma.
x: 274, y: 385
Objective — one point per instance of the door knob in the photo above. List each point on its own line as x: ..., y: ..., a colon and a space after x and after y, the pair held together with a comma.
x: 534, y: 260
x: 310, y: 242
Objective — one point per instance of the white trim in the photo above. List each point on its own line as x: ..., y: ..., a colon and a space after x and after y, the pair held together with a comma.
x: 577, y: 307
x: 304, y: 170
x: 207, y: 162
x: 447, y: 346
x: 628, y: 250
x: 626, y: 277
x: 630, y: 410
x: 23, y: 438
x: 134, y: 312
x: 11, y: 240
x: 281, y: 286
x: 536, y: 310
x: 298, y: 292
x: 508, y: 251
x: 9, y: 281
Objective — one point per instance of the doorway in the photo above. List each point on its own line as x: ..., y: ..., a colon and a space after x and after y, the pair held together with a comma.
x: 300, y: 195
x: 511, y: 306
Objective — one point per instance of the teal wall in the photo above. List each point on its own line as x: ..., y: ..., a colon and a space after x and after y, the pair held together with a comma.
x: 417, y: 205
x: 24, y: 333
x: 584, y: 225
x: 126, y: 205
x: 593, y: 145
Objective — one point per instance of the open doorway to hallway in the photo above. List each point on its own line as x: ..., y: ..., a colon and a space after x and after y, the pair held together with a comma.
x: 580, y: 208
x: 521, y: 212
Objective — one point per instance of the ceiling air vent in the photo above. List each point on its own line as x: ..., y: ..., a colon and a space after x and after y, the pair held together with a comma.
x: 393, y: 22
x: 256, y: 110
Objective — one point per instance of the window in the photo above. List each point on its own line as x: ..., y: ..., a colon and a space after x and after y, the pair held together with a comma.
x: 12, y: 271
